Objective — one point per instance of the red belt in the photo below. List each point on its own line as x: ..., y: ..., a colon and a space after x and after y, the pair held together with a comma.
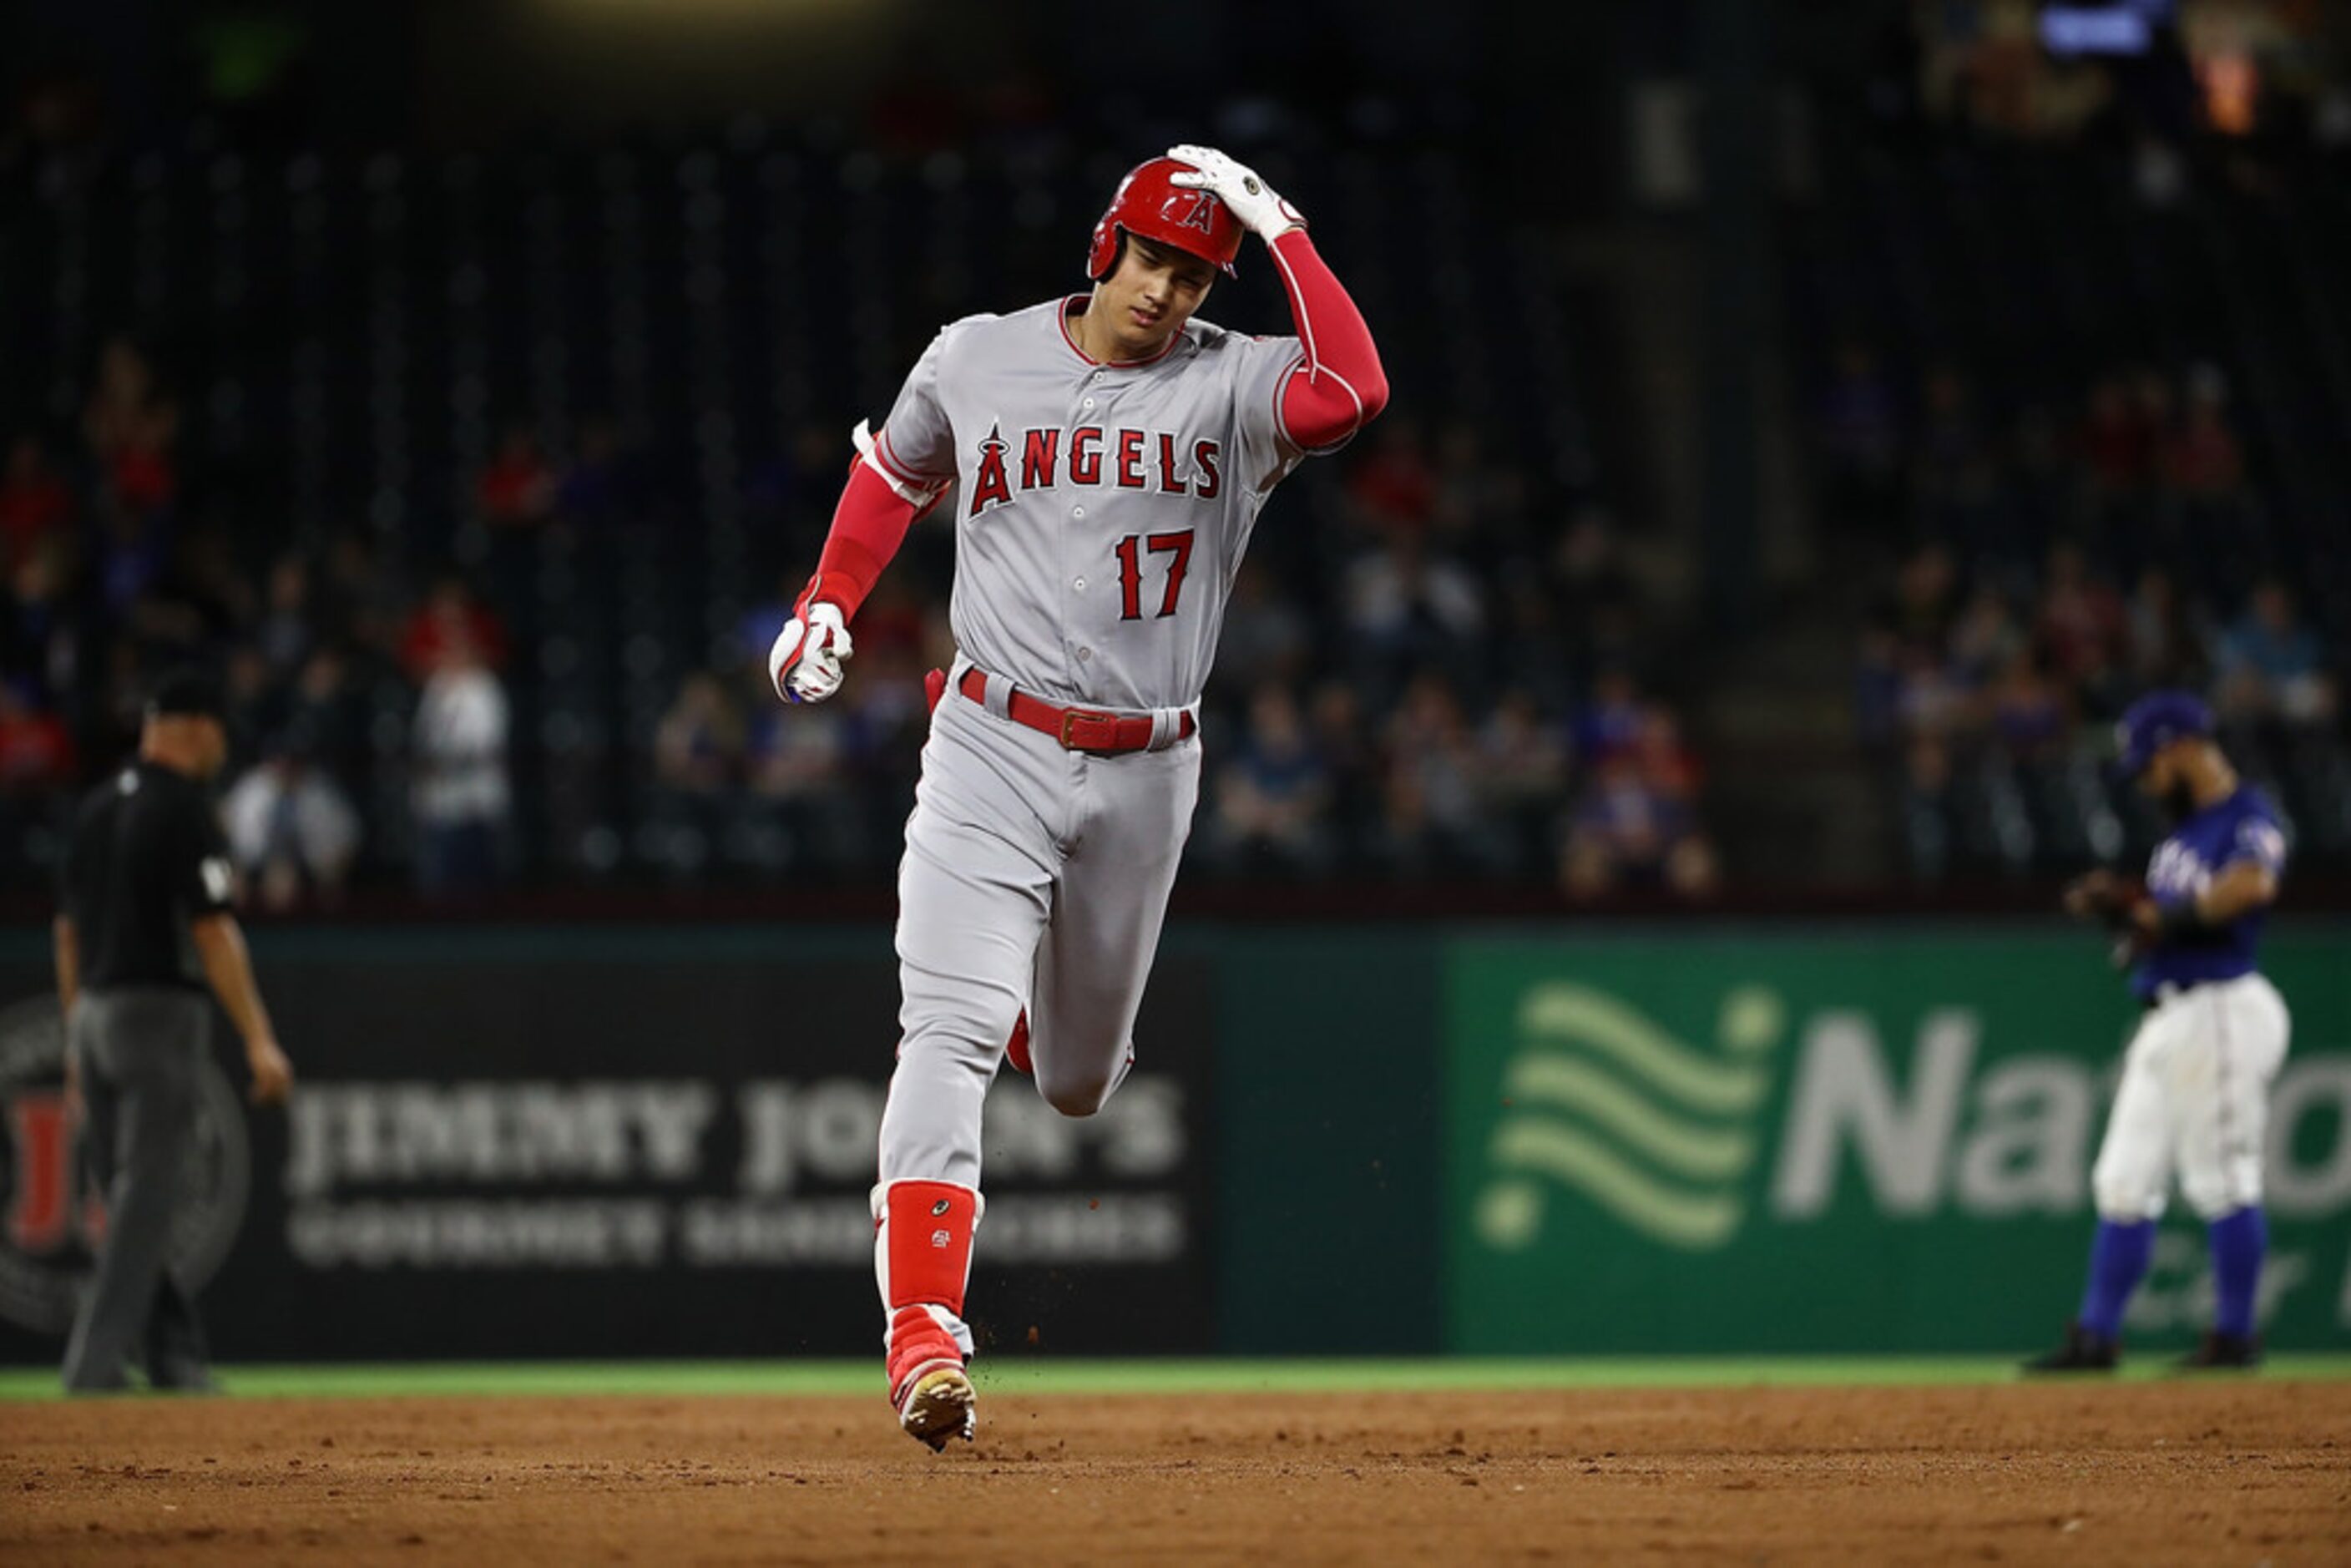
x: 1077, y: 728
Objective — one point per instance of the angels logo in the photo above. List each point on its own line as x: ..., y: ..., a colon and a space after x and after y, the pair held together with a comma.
x: 1191, y: 210
x: 989, y: 487
x: 51, y: 1222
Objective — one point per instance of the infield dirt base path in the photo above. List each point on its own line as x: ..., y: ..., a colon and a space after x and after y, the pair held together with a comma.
x: 2243, y: 1472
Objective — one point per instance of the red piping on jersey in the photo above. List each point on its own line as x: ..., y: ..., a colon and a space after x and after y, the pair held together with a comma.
x: 889, y: 458
x: 1343, y: 387
x: 1281, y: 415
x: 1062, y: 316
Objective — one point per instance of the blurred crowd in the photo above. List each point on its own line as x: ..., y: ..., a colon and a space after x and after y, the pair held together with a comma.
x: 2267, y: 71
x: 1423, y: 677
x: 2062, y: 563
x: 112, y: 581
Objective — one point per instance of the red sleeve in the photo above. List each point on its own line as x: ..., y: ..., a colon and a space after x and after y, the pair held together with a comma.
x: 1340, y: 386
x: 868, y: 527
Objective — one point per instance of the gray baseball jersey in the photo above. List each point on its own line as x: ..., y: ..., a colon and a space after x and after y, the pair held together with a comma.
x: 1101, y: 510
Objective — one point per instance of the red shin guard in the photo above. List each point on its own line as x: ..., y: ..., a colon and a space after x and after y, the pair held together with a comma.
x: 927, y: 1242
x: 930, y: 1225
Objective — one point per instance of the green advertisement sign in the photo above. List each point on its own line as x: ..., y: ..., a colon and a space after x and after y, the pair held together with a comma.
x: 1865, y: 1142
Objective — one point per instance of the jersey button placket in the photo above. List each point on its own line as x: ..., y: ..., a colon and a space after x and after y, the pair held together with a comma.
x: 1072, y: 621
x: 1077, y: 586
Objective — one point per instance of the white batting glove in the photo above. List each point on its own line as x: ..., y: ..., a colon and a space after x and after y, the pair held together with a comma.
x: 1260, y: 210
x: 805, y: 665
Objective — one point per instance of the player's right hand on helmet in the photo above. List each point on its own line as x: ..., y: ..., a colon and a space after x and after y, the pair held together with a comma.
x: 805, y: 665
x: 1261, y: 211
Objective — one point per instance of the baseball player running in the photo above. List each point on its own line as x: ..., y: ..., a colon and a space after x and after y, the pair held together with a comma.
x: 2195, y: 1078
x: 1108, y: 454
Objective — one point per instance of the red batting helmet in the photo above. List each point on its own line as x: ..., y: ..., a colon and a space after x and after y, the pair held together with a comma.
x: 1145, y: 203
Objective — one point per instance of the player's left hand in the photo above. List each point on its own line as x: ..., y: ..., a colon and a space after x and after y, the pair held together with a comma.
x: 2099, y: 895
x: 1254, y: 203
x: 805, y: 665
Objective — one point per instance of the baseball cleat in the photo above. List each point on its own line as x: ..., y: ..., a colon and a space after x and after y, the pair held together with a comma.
x: 2223, y: 1352
x: 938, y: 1405
x: 2083, y: 1351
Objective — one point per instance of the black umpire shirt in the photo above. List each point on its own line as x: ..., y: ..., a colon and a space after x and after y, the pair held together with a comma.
x: 146, y: 857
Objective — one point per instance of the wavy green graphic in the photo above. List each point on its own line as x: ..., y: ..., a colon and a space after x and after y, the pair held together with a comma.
x: 1577, y: 1016
x: 1603, y: 1101
x: 1684, y: 1147
x: 1694, y: 1220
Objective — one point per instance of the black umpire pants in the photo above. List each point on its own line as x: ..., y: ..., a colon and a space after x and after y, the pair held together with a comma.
x: 138, y: 1051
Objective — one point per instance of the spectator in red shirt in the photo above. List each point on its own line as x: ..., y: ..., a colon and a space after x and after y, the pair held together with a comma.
x: 2084, y: 625
x: 37, y: 753
x: 131, y: 426
x: 1395, y: 487
x: 33, y: 503
x: 140, y: 470
x: 1667, y: 764
x: 517, y: 489
x: 2113, y: 440
x: 2202, y: 458
x: 450, y: 618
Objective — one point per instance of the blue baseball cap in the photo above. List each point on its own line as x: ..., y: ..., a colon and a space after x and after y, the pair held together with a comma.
x: 2154, y: 722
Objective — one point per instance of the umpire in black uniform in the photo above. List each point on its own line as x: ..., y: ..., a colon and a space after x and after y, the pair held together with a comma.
x: 144, y: 903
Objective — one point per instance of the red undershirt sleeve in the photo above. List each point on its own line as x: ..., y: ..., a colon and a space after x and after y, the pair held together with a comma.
x: 1339, y: 387
x: 868, y: 527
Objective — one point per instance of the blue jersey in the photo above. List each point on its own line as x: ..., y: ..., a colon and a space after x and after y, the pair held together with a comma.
x: 2244, y: 826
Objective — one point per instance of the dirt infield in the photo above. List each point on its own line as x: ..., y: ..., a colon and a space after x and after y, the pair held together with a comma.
x: 2193, y: 1472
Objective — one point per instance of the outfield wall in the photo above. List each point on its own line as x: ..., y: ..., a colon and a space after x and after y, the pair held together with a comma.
x: 612, y: 1141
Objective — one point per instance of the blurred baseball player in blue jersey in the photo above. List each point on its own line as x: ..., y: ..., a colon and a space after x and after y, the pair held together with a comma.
x: 2194, y: 1094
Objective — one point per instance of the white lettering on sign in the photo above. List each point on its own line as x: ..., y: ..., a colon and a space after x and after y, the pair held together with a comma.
x: 2177, y: 1293
x: 392, y: 1133
x: 1020, y: 1229
x: 2322, y: 1084
x: 2029, y: 1145
x: 2019, y: 1139
x: 361, y: 1153
x: 825, y: 1132
x: 1842, y: 1098
x: 469, y: 1234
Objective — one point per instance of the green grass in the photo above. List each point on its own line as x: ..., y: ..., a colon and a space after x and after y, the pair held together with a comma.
x: 1028, y: 1376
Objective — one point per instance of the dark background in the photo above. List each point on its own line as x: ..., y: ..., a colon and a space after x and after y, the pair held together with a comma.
x: 1813, y: 425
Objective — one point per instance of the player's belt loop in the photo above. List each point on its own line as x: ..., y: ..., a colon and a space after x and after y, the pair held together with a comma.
x: 995, y: 696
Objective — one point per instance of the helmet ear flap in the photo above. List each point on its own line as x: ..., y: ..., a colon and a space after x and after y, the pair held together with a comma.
x: 1109, y: 250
